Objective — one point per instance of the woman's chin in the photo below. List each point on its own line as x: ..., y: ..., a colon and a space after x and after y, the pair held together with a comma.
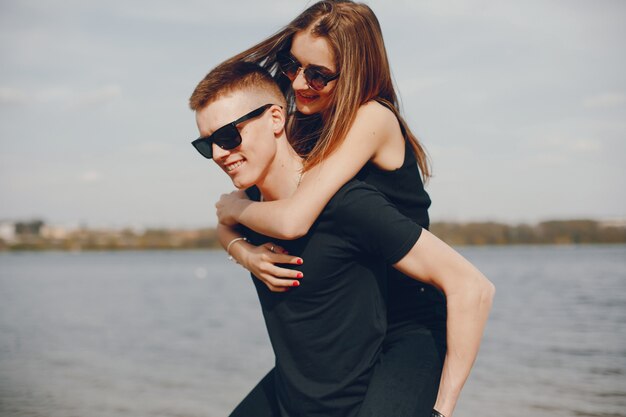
x: 307, y: 109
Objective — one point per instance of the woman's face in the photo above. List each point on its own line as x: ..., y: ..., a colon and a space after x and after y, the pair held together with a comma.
x: 312, y: 51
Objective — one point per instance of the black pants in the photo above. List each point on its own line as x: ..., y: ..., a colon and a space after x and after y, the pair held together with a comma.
x: 404, y: 383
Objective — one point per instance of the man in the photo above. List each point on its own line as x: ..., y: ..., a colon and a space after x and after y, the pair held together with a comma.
x: 327, y: 332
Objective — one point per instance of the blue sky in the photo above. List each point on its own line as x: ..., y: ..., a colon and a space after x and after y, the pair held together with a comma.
x: 521, y: 105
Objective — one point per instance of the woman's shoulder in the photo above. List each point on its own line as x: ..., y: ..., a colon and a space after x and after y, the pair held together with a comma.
x: 375, y: 119
x: 374, y: 112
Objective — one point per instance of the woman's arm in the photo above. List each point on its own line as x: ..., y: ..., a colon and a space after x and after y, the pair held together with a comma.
x: 261, y: 260
x: 469, y: 296
x: 291, y: 218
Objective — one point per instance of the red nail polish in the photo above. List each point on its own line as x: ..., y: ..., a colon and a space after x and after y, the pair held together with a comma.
x: 295, y: 284
x: 299, y: 275
x: 299, y: 261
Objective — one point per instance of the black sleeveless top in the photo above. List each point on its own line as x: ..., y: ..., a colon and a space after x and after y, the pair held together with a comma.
x: 411, y: 304
x: 403, y: 186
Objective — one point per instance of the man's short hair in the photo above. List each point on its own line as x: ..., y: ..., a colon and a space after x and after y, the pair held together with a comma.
x: 230, y: 77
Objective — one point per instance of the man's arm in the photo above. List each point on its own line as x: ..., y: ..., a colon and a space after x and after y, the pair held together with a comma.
x: 374, y: 226
x: 469, y: 296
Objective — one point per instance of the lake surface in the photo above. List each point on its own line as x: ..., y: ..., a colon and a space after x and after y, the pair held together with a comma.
x: 180, y: 334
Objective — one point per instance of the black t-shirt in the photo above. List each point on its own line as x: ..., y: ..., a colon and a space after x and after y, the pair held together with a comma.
x: 327, y: 333
x: 412, y: 305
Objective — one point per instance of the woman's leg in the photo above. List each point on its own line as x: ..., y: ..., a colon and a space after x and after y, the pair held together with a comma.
x: 261, y: 401
x: 406, y: 379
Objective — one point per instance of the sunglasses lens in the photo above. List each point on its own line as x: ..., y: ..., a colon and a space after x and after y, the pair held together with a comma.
x: 287, y: 65
x: 204, y: 147
x: 315, y: 80
x: 227, y: 137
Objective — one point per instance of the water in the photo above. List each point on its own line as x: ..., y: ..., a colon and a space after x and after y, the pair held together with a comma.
x: 180, y: 334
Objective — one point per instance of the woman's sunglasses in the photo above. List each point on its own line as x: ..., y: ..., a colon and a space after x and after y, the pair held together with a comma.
x: 226, y: 137
x: 290, y: 66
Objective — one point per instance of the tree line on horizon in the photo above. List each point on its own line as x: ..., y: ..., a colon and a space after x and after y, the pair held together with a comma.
x: 31, y: 236
x: 547, y: 232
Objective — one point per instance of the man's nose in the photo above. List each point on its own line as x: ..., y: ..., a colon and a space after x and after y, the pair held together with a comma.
x: 219, y: 153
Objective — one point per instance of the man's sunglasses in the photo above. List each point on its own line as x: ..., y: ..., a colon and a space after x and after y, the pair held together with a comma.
x: 226, y: 137
x: 290, y: 66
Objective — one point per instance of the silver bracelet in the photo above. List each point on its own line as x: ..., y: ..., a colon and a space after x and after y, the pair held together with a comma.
x: 235, y: 240
x: 436, y: 413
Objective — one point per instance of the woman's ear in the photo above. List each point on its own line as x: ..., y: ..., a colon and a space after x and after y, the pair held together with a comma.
x: 278, y: 120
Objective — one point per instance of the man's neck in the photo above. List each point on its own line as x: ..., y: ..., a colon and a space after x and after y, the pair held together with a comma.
x: 283, y: 175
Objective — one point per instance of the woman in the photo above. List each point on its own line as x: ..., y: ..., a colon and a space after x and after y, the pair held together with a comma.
x: 332, y: 65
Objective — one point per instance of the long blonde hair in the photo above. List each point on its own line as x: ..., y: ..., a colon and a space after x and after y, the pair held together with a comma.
x: 354, y: 34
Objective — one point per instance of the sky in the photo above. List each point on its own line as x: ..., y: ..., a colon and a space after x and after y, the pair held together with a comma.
x: 520, y: 105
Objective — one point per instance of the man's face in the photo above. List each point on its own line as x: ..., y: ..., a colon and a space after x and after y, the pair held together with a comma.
x: 247, y: 164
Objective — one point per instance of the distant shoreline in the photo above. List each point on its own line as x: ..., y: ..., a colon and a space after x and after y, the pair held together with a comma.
x: 36, y: 236
x: 218, y: 249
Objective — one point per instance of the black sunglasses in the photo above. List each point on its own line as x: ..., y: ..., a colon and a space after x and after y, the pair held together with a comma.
x: 290, y: 66
x: 226, y: 137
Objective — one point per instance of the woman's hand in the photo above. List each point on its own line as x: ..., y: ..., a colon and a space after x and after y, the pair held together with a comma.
x: 262, y: 260
x: 229, y: 206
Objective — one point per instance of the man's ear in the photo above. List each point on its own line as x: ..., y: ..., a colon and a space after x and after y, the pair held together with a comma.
x: 278, y: 120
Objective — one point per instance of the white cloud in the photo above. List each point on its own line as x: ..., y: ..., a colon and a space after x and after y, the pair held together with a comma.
x: 446, y: 9
x: 53, y: 95
x: 583, y: 145
x: 549, y: 160
x: 60, y: 95
x: 90, y: 177
x: 100, y: 95
x: 605, y: 100
x: 9, y: 95
x: 561, y: 142
x: 211, y: 12
x: 418, y: 85
x: 151, y: 148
